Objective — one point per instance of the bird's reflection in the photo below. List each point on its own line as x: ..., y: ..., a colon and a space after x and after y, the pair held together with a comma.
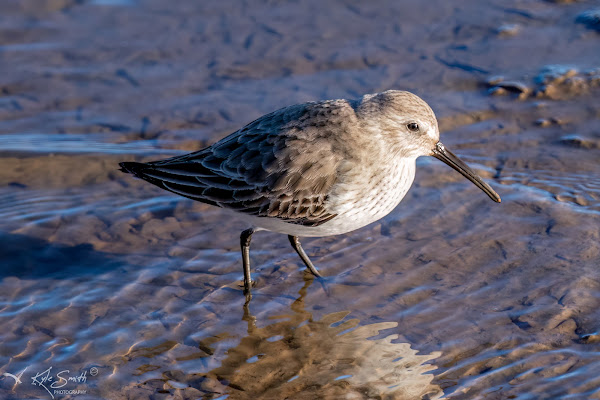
x: 298, y: 357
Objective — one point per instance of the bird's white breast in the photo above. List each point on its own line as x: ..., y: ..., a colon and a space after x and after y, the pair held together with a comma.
x: 360, y: 198
x: 366, y: 200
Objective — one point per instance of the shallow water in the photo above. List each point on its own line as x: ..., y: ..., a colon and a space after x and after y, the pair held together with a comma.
x: 136, y: 291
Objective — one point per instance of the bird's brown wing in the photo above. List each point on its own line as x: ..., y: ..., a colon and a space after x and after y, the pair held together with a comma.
x: 282, y: 165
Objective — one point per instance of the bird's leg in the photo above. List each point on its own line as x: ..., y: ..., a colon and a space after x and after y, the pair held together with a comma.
x: 295, y: 241
x: 245, y: 239
x: 248, y: 317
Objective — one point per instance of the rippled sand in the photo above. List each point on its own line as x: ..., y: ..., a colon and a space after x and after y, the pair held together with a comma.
x: 136, y: 291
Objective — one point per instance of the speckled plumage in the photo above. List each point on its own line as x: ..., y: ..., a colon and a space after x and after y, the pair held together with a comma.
x: 312, y: 169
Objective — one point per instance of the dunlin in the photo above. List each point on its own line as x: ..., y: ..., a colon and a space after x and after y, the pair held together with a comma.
x: 313, y: 169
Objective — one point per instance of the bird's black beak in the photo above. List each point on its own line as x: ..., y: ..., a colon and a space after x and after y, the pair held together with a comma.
x: 442, y: 153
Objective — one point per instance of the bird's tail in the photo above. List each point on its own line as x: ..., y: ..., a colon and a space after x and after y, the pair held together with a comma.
x: 132, y: 167
x: 129, y: 167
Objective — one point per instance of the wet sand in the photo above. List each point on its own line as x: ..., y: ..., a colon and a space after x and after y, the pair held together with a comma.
x: 136, y: 291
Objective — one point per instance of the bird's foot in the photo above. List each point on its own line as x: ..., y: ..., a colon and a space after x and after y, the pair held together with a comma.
x: 308, y: 276
x: 247, y: 287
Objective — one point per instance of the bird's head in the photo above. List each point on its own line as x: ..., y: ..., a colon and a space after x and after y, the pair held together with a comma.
x: 410, y: 129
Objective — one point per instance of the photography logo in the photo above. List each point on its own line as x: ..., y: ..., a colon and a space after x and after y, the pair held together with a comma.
x: 17, y: 378
x: 59, y: 384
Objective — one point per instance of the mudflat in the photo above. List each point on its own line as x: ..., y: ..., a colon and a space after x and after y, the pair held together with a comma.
x: 136, y: 292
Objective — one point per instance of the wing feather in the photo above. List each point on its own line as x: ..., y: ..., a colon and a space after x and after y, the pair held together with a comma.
x: 281, y: 165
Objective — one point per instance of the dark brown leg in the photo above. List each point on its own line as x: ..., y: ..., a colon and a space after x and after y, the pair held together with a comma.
x: 245, y: 239
x: 295, y: 241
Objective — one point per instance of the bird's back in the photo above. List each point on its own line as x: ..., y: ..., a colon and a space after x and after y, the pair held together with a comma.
x: 282, y: 165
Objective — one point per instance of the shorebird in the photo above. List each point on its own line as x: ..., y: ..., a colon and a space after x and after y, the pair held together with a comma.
x: 313, y: 169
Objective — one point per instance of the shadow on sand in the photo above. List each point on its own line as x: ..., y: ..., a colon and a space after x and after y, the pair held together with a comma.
x: 26, y: 257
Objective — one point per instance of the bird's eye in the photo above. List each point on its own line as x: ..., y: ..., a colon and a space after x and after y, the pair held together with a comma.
x: 413, y: 126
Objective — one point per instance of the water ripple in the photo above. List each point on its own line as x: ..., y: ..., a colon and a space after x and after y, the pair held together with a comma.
x: 74, y: 143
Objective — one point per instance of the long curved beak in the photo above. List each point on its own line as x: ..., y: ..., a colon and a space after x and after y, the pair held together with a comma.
x: 443, y: 154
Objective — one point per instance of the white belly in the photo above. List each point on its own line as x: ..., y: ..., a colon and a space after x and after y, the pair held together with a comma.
x: 357, y: 202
